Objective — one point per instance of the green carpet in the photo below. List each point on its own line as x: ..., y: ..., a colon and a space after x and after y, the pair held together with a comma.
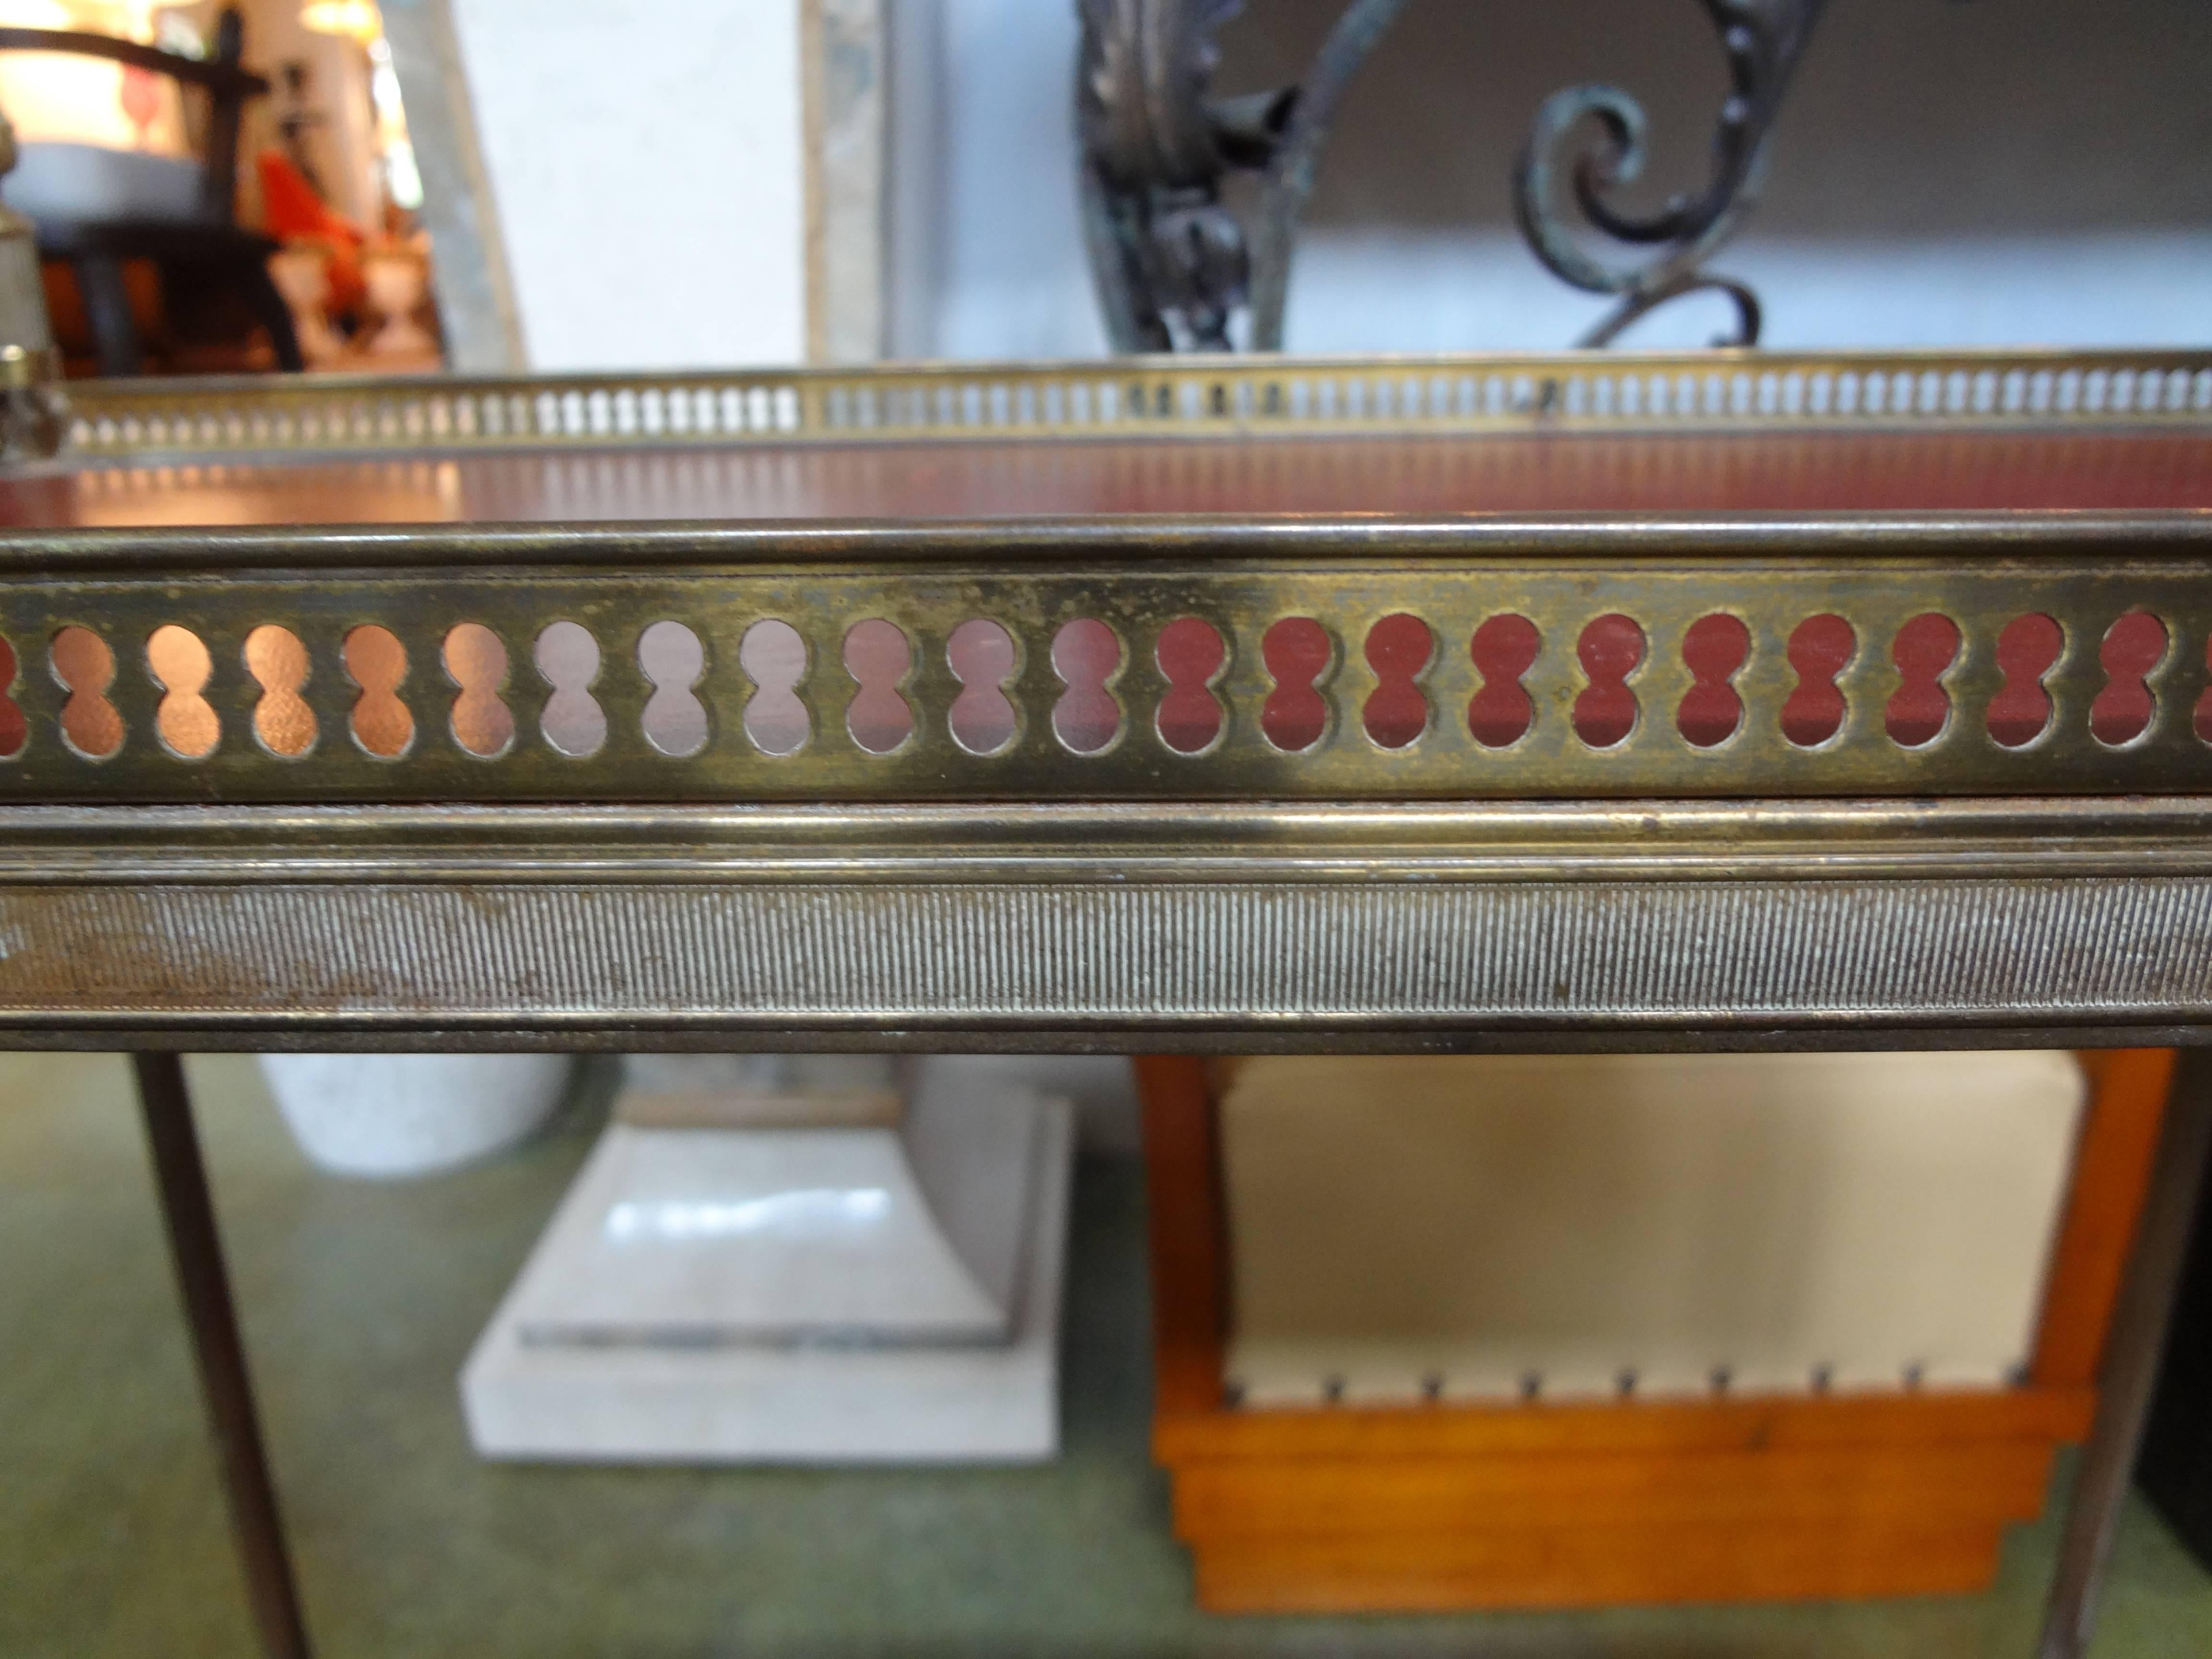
x: 360, y: 1301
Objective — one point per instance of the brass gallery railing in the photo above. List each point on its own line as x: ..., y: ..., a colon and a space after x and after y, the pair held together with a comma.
x: 1171, y: 661
x: 1531, y: 778
x: 1179, y: 396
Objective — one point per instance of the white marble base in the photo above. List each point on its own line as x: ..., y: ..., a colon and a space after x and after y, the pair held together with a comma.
x: 698, y: 1370
x: 397, y: 1115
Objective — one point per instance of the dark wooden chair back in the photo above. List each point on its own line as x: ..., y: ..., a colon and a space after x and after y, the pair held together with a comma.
x: 227, y: 85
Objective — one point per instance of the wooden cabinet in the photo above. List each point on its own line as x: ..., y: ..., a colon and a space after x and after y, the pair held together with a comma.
x: 1737, y: 1497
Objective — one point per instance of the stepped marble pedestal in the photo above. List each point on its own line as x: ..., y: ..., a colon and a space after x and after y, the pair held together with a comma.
x: 885, y: 1291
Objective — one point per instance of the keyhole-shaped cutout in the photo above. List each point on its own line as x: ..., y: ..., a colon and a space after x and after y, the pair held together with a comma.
x: 282, y: 719
x: 1086, y: 654
x: 878, y: 658
x: 1820, y: 649
x: 2133, y: 645
x: 1504, y: 649
x: 1715, y: 649
x: 1399, y: 649
x: 2028, y: 650
x: 568, y: 659
x: 84, y: 667
x: 1923, y: 652
x: 188, y: 725
x: 1611, y: 649
x: 774, y: 658
x: 672, y: 660
x: 14, y: 727
x: 1297, y: 654
x: 1191, y: 657
x: 981, y: 653
x: 376, y: 662
x: 475, y: 662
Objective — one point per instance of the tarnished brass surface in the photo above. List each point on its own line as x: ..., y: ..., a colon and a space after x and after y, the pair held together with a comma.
x: 1649, y: 923
x: 1033, y: 579
x: 1635, y: 841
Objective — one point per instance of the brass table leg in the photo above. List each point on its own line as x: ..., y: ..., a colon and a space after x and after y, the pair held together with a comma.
x: 196, y: 1250
x: 2131, y: 1361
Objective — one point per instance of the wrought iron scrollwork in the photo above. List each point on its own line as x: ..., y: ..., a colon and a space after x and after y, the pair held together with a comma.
x: 1169, y: 259
x: 1173, y: 265
x: 1296, y: 160
x: 1764, y: 39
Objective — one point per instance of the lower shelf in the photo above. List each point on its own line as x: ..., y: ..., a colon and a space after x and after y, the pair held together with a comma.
x: 1447, y: 1507
x: 1540, y: 1567
x: 1738, y: 1497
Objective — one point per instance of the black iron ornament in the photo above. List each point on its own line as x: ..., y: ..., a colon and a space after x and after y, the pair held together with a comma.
x: 1168, y: 259
x: 1173, y: 265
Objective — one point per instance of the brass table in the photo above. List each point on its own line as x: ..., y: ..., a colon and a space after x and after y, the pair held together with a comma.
x: 1730, y: 701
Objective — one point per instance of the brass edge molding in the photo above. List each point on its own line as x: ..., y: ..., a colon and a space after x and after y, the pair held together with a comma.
x: 1183, y: 397
x: 518, y: 554
x: 220, y: 1034
x: 1785, y: 843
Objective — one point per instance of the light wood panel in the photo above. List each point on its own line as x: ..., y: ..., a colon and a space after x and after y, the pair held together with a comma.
x: 2112, y: 1174
x: 1983, y: 1483
x: 1581, y: 1567
x: 1189, y: 1259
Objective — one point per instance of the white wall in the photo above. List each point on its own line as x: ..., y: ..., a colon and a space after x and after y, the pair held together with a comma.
x: 915, y: 176
x: 2023, y: 173
x: 1384, y: 290
x: 1011, y: 257
x: 646, y: 164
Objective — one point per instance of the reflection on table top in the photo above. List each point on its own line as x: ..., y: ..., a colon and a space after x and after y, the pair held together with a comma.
x: 1813, y: 471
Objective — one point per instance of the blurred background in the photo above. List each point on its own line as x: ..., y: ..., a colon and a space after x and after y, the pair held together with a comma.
x: 559, y: 185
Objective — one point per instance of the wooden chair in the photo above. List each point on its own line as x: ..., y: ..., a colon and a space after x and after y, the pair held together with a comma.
x: 211, y: 244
